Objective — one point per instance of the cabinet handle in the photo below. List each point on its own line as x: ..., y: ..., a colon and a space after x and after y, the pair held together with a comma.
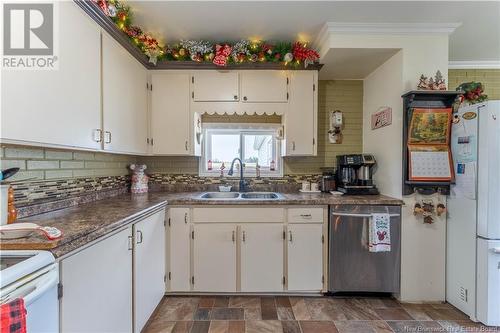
x: 107, y: 137
x: 306, y: 216
x: 290, y: 236
x: 234, y: 236
x: 235, y: 97
x: 243, y: 236
x: 185, y: 217
x: 245, y: 98
x: 139, y: 237
x: 97, y: 135
x: 293, y: 145
x: 186, y: 145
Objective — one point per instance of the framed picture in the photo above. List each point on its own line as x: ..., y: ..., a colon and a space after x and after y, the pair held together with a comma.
x: 430, y: 127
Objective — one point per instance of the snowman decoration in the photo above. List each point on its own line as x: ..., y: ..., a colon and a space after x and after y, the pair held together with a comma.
x: 139, y: 178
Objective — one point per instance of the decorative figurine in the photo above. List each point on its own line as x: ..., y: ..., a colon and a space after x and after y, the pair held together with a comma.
x: 139, y: 179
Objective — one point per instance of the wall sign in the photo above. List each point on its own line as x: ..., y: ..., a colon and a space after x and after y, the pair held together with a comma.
x: 382, y: 117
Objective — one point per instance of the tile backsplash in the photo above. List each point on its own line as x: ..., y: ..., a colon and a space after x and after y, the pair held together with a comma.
x: 47, y: 164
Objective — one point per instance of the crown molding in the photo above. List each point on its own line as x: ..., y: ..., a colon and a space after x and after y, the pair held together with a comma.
x: 384, y: 29
x: 474, y: 64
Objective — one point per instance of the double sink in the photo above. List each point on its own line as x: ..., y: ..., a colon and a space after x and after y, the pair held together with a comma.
x: 241, y: 196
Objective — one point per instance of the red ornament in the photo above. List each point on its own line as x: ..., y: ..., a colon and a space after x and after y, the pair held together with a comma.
x: 302, y: 53
x: 222, y: 52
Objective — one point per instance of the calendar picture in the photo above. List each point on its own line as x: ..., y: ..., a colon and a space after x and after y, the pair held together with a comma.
x: 430, y: 126
x: 430, y: 163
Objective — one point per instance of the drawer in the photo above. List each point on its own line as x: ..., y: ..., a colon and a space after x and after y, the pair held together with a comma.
x: 238, y: 214
x: 305, y: 215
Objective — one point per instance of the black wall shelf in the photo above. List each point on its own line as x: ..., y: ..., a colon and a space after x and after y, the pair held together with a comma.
x: 433, y: 99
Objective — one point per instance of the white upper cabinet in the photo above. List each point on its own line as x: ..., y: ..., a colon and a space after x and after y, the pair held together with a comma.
x: 269, y: 86
x: 170, y: 114
x: 301, y: 117
x: 58, y: 107
x: 215, y: 86
x: 124, y: 100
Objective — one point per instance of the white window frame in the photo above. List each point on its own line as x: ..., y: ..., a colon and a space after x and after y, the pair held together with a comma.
x: 241, y: 129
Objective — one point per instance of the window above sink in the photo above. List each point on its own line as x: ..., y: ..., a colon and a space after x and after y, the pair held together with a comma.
x: 255, y: 144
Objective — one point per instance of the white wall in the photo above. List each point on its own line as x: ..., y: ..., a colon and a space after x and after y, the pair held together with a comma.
x: 423, y: 246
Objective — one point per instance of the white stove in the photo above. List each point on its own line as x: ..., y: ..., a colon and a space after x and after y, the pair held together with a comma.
x: 34, y: 276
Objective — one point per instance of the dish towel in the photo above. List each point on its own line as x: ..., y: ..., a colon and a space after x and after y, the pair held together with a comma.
x: 380, y: 233
x: 13, y: 316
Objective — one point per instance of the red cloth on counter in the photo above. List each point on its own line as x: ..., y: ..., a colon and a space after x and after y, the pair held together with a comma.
x: 13, y: 316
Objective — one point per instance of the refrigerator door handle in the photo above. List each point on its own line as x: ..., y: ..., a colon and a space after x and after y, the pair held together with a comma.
x: 496, y: 250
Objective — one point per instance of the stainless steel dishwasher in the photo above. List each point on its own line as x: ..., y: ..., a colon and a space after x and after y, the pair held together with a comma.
x: 352, y: 267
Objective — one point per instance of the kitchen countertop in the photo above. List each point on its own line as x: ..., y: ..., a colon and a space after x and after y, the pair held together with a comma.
x: 85, y: 223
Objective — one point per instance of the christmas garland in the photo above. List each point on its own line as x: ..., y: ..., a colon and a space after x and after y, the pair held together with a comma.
x: 220, y: 54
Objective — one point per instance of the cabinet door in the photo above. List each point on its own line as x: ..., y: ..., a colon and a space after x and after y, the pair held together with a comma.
x: 170, y: 119
x: 262, y: 257
x: 215, y: 86
x: 124, y: 100
x: 264, y: 86
x: 97, y: 287
x: 149, y: 267
x: 301, y: 116
x: 215, y: 257
x: 305, y: 257
x: 179, y: 245
x: 58, y: 107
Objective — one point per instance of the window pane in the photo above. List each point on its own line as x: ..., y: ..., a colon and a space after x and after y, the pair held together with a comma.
x: 258, y: 148
x: 225, y: 147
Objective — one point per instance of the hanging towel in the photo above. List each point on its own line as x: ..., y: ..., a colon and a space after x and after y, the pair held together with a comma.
x: 13, y: 316
x: 380, y: 233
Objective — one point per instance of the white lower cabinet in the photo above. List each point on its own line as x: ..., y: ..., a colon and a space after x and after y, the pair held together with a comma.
x: 214, y: 257
x: 115, y: 284
x: 262, y: 257
x: 97, y: 287
x: 305, y: 253
x: 247, y: 249
x: 149, y: 267
x: 179, y: 245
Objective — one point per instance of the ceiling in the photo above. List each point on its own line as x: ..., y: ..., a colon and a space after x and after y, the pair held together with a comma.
x: 477, y: 39
x: 353, y: 64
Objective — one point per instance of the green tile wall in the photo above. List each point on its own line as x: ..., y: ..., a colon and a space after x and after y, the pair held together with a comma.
x: 489, y: 77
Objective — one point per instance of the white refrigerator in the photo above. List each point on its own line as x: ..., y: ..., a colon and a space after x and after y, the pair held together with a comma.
x: 473, y: 225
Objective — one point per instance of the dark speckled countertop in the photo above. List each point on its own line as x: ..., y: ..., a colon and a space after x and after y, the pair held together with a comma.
x: 85, y: 223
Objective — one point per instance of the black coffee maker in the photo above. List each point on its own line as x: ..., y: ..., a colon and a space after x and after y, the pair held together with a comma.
x: 354, y: 174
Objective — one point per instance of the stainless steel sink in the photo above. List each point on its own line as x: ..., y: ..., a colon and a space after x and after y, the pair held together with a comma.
x: 220, y: 195
x: 240, y: 196
x: 259, y: 195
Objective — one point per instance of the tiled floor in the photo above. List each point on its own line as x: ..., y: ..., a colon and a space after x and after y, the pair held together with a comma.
x: 305, y: 315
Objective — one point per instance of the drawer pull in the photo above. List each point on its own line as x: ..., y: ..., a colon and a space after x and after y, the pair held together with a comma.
x: 306, y: 216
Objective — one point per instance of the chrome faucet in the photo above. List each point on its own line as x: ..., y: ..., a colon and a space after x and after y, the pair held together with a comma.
x: 243, y: 183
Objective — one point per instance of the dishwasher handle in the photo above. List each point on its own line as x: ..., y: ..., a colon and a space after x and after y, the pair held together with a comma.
x: 359, y: 215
